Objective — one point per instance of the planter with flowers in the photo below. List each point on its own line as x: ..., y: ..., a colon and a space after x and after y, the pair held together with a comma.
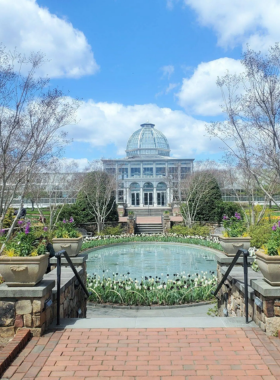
x: 24, y: 260
x: 235, y: 235
x: 67, y: 237
x: 268, y: 258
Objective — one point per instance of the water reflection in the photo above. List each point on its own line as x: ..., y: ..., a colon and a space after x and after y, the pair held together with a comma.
x: 149, y: 260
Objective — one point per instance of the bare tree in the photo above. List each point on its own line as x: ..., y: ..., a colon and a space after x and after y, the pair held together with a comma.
x: 56, y: 188
x: 99, y: 189
x: 251, y: 131
x: 31, y: 117
x: 194, y: 189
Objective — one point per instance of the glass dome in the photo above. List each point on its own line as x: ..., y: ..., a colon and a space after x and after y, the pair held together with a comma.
x: 147, y: 141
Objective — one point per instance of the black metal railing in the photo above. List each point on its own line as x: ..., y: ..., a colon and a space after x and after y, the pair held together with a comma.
x: 245, y: 253
x: 58, y: 255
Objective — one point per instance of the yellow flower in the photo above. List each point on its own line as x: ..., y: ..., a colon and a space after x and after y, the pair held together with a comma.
x: 265, y: 249
x: 34, y: 253
x: 10, y: 252
x: 245, y: 234
x: 225, y: 234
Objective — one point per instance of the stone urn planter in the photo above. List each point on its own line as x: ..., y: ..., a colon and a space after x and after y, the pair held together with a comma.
x: 23, y: 271
x: 231, y: 245
x: 270, y: 267
x: 71, y: 245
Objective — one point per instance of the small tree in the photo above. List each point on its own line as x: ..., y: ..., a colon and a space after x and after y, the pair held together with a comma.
x: 251, y: 130
x: 99, y: 190
x: 31, y: 117
x: 200, y: 193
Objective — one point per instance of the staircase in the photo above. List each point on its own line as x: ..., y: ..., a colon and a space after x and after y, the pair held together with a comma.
x: 148, y: 225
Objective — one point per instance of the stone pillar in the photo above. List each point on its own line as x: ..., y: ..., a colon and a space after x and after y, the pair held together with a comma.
x: 155, y: 196
x: 120, y: 210
x: 130, y: 224
x: 141, y: 196
x: 166, y: 223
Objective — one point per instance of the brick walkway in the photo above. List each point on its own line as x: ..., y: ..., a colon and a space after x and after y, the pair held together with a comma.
x: 157, y: 354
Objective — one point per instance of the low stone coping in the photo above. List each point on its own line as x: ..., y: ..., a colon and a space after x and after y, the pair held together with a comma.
x: 221, y: 257
x: 236, y: 276
x: 265, y: 289
x: 77, y: 260
x: 255, y: 281
x: 37, y: 291
x: 67, y: 276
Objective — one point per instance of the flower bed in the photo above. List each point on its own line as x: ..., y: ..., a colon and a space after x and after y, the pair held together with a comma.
x: 97, y: 241
x: 175, y: 289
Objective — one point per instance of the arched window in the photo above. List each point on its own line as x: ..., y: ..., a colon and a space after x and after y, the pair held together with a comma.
x: 148, y: 186
x: 135, y: 186
x: 161, y: 186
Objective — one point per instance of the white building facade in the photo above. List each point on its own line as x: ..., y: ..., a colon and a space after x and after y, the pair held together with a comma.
x: 148, y: 176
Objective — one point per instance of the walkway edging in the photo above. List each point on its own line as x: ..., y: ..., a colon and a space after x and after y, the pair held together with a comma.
x: 9, y: 353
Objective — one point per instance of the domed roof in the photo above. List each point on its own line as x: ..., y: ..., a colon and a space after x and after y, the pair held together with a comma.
x: 147, y: 141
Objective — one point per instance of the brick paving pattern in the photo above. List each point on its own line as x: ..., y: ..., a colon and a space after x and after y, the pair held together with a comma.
x: 157, y: 354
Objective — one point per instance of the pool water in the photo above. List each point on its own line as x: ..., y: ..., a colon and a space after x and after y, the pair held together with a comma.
x: 140, y: 260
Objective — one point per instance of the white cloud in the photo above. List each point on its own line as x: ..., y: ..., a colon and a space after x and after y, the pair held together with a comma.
x: 102, y: 124
x: 79, y: 164
x: 240, y: 21
x: 167, y: 71
x: 28, y: 27
x: 200, y: 94
x: 171, y: 87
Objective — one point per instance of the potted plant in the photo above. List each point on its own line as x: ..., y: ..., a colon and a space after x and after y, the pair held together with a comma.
x: 67, y: 237
x: 24, y: 259
x: 235, y: 235
x: 130, y: 214
x: 268, y: 258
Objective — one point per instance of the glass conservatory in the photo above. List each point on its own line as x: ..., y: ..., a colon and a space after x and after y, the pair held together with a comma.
x: 148, y: 176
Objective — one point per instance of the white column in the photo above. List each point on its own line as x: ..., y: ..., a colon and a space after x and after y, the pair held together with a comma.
x: 141, y: 196
x: 155, y: 196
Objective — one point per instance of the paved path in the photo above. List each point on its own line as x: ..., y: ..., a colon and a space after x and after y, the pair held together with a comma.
x: 157, y: 354
x: 196, y: 310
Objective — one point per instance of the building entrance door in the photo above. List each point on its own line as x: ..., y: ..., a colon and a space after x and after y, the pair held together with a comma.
x: 148, y: 199
x: 161, y: 196
x: 135, y: 199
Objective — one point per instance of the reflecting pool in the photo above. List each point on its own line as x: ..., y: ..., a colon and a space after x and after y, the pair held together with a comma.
x: 140, y: 260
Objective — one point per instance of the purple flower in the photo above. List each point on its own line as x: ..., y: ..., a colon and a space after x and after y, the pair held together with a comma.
x: 273, y: 227
x: 45, y: 229
x: 64, y: 221
x: 20, y: 222
x: 71, y: 220
x: 225, y: 217
x: 2, y: 232
x: 237, y: 215
x: 278, y: 223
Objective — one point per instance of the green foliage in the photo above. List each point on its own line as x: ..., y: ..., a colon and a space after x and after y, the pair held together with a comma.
x: 227, y: 208
x: 80, y: 211
x: 234, y: 226
x: 204, y: 203
x: 260, y: 234
x: 195, y: 230
x: 29, y: 242
x: 66, y: 229
x: 181, y: 289
x: 112, y: 230
x: 8, y: 219
x: 213, y: 311
x: 272, y: 247
x: 155, y: 238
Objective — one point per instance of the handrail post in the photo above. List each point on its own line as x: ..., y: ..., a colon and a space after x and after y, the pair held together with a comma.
x: 58, y: 272
x: 245, y: 267
x: 245, y: 253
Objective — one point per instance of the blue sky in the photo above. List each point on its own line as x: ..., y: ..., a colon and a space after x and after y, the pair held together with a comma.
x: 130, y: 61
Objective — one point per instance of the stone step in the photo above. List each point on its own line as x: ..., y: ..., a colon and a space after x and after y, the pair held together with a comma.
x: 159, y: 322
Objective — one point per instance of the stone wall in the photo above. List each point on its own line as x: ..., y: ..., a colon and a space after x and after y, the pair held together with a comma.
x: 263, y: 299
x: 35, y: 307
